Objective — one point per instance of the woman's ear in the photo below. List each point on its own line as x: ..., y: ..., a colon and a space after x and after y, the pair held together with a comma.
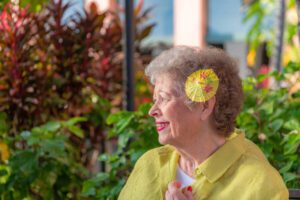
x: 207, y: 108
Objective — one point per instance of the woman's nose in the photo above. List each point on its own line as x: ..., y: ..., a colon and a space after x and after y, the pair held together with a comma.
x: 154, y: 111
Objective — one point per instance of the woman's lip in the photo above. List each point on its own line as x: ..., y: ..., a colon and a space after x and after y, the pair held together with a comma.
x: 161, y: 122
x: 161, y: 126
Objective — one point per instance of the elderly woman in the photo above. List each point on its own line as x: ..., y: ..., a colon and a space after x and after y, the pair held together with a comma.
x: 197, y: 97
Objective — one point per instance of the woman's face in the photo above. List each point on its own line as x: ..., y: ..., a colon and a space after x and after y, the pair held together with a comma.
x: 176, y: 124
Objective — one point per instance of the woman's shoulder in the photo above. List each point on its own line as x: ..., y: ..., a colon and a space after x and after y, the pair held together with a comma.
x: 256, y: 176
x: 255, y: 159
x: 260, y: 171
x: 264, y: 179
x: 156, y: 156
x: 254, y: 152
x: 158, y: 153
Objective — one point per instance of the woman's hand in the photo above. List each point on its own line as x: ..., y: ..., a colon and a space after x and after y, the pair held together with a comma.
x: 175, y: 193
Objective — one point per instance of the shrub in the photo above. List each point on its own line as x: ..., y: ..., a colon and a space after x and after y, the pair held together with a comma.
x: 270, y: 118
x: 52, y: 69
x: 46, y: 166
x: 135, y: 133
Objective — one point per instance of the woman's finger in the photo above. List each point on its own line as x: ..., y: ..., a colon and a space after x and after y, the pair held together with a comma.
x: 174, y: 185
x: 167, y: 195
x: 188, y: 193
x: 178, y: 195
x: 175, y: 192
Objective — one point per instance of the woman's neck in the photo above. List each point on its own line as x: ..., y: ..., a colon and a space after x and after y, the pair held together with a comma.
x: 199, y: 149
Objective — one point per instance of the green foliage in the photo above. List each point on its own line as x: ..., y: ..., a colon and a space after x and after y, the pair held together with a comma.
x: 271, y: 116
x: 262, y: 14
x: 136, y: 134
x: 53, y: 69
x: 271, y: 119
x: 49, y: 69
x: 3, y: 3
x: 45, y: 165
x: 35, y: 5
x: 50, y: 72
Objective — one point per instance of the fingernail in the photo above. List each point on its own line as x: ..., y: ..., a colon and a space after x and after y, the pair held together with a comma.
x: 189, y: 188
x: 178, y: 184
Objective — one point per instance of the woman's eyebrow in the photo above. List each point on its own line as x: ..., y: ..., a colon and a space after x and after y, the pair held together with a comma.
x: 165, y: 92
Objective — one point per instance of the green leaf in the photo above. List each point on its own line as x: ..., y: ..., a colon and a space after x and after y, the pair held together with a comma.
x: 35, y: 5
x: 89, y: 186
x: 54, y: 146
x: 292, y: 124
x: 136, y: 154
x: 115, y: 117
x: 262, y: 77
x: 144, y: 108
x: 120, y: 121
x: 290, y: 176
x: 118, y: 187
x: 287, y: 167
x: 123, y: 139
x: 74, y: 121
x: 103, y: 157
x: 76, y: 131
x: 145, y: 32
x: 291, y: 143
x: 252, y: 11
x: 88, y: 189
x: 25, y: 161
x: 276, y: 125
x: 101, y: 177
x: 51, y: 126
x: 267, y: 148
x: 5, y: 172
x: 124, y: 123
x: 268, y: 107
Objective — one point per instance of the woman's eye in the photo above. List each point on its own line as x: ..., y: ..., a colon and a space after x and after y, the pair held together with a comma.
x: 165, y: 99
x: 155, y: 101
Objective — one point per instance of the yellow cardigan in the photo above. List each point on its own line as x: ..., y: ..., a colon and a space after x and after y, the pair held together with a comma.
x: 236, y: 171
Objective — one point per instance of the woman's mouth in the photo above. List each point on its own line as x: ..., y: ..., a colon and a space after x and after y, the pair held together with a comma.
x: 161, y: 126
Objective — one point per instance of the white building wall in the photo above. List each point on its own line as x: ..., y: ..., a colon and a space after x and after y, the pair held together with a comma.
x: 190, y: 22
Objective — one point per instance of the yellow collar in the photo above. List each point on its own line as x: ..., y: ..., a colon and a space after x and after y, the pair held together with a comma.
x: 220, y: 161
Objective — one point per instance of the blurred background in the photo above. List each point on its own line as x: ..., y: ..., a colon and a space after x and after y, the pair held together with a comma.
x: 65, y: 130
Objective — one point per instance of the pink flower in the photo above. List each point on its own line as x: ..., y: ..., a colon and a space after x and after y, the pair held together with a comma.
x: 203, y: 75
x: 208, y: 88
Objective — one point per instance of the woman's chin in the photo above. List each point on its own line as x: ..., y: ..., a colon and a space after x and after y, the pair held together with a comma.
x: 162, y: 142
x: 163, y: 138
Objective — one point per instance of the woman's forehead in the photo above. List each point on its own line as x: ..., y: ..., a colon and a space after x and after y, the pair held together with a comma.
x: 165, y: 84
x: 164, y: 90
